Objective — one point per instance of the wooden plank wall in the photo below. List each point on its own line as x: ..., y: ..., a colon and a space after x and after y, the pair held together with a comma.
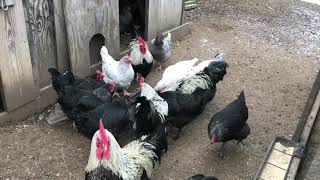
x: 41, y: 34
x: 16, y: 69
x: 84, y: 19
x: 163, y: 15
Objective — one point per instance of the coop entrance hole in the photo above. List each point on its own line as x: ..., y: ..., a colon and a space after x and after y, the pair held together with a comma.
x: 129, y: 26
x: 95, y: 44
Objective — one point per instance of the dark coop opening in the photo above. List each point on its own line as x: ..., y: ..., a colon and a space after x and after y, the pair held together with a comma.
x: 132, y: 18
x: 95, y: 44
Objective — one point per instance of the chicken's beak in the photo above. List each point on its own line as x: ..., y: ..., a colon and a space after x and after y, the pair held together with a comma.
x: 213, y: 139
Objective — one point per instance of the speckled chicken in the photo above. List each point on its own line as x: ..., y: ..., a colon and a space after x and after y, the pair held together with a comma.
x: 161, y: 48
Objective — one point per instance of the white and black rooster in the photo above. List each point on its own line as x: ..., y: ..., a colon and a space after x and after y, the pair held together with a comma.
x: 135, y: 161
x: 120, y: 72
x: 142, y: 59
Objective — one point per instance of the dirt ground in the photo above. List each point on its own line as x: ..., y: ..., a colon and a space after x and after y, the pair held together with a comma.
x: 273, y: 49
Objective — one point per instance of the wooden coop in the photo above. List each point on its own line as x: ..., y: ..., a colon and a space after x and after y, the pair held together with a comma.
x: 65, y: 34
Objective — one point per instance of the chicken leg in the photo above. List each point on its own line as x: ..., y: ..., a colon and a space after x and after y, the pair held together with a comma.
x: 125, y: 93
x: 220, y: 151
x: 159, y: 68
x: 174, y: 132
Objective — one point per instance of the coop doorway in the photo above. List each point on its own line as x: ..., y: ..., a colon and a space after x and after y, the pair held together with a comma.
x: 132, y: 21
x: 95, y: 44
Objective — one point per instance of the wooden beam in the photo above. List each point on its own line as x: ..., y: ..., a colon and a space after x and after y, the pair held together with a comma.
x: 304, y: 136
x: 307, y: 109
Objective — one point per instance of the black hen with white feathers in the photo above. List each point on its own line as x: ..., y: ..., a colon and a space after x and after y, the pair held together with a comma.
x: 205, y: 79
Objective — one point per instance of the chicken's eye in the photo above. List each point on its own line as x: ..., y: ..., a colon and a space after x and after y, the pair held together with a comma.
x: 98, y: 142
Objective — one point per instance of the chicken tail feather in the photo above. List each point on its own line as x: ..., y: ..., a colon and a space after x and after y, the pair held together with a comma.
x: 158, y: 139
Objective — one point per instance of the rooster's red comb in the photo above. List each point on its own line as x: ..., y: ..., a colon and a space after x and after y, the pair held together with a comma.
x: 141, y: 41
x: 103, y: 143
x: 102, y: 132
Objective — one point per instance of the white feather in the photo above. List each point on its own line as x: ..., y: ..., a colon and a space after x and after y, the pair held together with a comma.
x: 137, y: 56
x: 174, y: 73
x: 206, y: 63
x: 127, y: 162
x: 177, y: 72
x: 119, y: 71
x: 160, y: 104
x: 190, y: 84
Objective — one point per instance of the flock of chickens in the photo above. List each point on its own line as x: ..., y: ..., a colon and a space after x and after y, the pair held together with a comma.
x: 129, y: 131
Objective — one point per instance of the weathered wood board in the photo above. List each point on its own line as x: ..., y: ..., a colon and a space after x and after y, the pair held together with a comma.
x: 16, y: 69
x: 63, y: 62
x: 84, y: 19
x: 163, y: 15
x: 41, y: 35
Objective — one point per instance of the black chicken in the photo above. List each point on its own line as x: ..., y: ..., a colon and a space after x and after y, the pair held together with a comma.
x: 230, y: 123
x: 202, y: 177
x: 183, y: 108
x: 115, y: 116
x: 71, y: 90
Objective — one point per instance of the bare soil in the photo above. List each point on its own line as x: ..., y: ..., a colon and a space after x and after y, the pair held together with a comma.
x: 273, y: 51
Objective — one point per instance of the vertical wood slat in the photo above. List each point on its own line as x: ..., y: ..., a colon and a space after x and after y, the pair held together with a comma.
x: 163, y: 15
x: 63, y: 62
x: 41, y: 34
x: 84, y: 19
x: 16, y: 69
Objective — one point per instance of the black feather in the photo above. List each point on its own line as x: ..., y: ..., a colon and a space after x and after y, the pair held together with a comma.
x: 115, y: 117
x: 183, y: 108
x: 144, y: 69
x: 158, y: 139
x: 216, y: 71
x: 230, y: 123
x: 146, y: 117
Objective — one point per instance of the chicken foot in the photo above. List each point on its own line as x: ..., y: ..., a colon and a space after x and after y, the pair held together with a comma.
x: 116, y: 94
x: 174, y: 132
x: 125, y: 93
